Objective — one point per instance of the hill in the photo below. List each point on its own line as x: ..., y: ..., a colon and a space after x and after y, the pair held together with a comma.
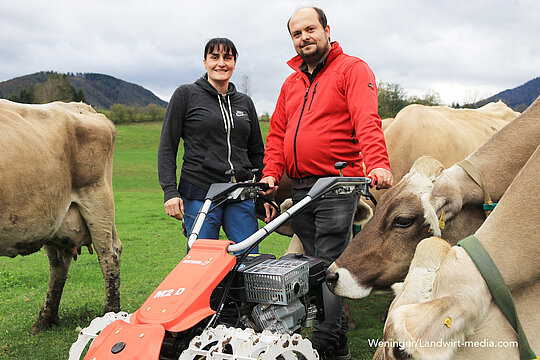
x: 518, y: 98
x: 101, y: 91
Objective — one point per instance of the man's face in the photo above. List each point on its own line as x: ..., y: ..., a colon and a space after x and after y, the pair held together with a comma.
x: 311, y: 41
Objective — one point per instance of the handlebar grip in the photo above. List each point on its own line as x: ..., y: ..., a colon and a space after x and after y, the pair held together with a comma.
x: 263, y: 186
x: 374, y: 180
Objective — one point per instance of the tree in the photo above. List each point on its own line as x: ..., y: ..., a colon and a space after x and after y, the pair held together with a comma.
x: 120, y: 114
x: 25, y: 96
x: 392, y: 98
x: 432, y: 98
x: 264, y: 117
x: 155, y: 112
x: 80, y: 96
x: 470, y: 99
x: 246, y: 85
x: 56, y: 88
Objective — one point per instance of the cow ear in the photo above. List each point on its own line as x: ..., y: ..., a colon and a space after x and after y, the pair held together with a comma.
x: 439, y: 204
x: 427, y: 166
x: 447, y: 196
x: 286, y: 205
x: 421, y: 323
x: 446, y: 207
x: 363, y: 213
x: 418, y: 285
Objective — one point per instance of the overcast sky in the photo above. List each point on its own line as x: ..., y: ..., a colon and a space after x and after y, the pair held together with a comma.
x: 464, y: 50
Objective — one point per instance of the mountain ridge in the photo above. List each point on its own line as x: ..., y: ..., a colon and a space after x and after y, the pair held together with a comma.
x: 100, y: 90
x: 518, y: 98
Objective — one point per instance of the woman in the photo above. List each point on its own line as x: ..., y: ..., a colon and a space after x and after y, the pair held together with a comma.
x: 220, y: 132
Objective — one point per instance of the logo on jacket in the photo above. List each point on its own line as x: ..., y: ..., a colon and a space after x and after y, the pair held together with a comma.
x: 371, y: 86
x: 240, y: 113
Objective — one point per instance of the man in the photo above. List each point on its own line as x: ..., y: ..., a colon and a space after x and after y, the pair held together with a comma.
x: 326, y: 112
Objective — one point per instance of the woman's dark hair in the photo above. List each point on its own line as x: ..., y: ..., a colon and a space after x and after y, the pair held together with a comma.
x: 221, y: 44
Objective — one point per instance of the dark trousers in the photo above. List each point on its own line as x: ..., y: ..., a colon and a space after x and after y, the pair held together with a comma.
x: 324, y: 228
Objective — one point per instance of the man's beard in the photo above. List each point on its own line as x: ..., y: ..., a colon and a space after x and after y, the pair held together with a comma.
x: 316, y: 56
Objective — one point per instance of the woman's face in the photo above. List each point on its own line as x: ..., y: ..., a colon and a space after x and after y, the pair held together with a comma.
x: 219, y: 65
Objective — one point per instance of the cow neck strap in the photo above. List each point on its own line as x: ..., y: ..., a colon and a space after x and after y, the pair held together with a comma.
x: 500, y: 292
x: 477, y: 176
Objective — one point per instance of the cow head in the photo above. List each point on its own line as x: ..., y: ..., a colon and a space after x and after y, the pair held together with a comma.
x: 381, y: 253
x: 434, y: 308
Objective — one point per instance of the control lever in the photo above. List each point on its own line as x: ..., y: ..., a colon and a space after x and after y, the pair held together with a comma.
x: 231, y: 174
x: 365, y: 191
x: 340, y: 165
x: 256, y: 173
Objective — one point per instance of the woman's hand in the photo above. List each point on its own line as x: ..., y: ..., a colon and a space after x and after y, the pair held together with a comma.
x: 174, y: 207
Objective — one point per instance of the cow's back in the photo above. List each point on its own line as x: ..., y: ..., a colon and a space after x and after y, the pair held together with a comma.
x: 446, y: 134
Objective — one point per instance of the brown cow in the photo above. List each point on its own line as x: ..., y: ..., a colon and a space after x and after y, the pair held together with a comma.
x: 56, y: 192
x: 446, y: 134
x: 381, y: 253
x: 445, y: 301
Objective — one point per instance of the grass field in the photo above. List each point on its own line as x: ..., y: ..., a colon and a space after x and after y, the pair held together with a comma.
x: 153, y: 245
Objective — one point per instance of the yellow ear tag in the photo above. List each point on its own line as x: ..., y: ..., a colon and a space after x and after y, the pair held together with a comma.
x: 448, y: 322
x: 442, y: 223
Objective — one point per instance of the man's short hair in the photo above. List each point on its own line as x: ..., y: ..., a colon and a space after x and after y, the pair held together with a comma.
x: 320, y: 14
x: 225, y: 44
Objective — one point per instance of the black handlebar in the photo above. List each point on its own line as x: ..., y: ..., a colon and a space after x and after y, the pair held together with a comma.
x: 220, y: 191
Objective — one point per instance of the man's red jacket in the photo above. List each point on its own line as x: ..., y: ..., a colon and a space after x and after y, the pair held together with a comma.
x: 333, y: 119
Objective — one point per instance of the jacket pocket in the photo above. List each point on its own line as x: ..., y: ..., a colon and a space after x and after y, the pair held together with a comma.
x: 242, y: 164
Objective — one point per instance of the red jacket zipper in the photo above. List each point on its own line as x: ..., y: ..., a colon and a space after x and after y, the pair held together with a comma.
x: 296, y: 133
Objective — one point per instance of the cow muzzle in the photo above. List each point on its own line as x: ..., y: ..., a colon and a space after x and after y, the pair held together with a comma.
x: 341, y: 282
x: 331, y: 280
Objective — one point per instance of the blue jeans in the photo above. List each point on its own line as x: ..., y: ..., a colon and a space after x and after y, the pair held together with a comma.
x: 237, y: 218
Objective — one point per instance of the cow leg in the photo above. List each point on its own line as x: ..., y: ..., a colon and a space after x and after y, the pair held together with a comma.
x: 97, y: 209
x: 58, y: 269
x: 112, y: 281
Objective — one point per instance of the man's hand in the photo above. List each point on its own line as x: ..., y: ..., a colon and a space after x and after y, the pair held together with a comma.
x: 384, y: 178
x: 271, y: 181
x: 271, y: 212
x: 174, y: 207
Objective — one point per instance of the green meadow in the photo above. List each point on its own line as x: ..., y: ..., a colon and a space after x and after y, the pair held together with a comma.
x: 153, y: 245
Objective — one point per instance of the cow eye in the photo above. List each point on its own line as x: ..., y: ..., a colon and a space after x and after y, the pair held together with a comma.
x: 402, y: 222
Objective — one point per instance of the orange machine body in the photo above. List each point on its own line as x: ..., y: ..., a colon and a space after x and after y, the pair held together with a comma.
x: 180, y: 302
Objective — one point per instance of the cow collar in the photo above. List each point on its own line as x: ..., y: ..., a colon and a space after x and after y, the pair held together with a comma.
x: 500, y: 292
x: 477, y: 176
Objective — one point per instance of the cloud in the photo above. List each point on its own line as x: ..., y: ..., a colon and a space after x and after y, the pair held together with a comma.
x: 454, y: 48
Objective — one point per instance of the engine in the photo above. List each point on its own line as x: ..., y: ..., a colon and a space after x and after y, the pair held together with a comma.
x: 278, y: 295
